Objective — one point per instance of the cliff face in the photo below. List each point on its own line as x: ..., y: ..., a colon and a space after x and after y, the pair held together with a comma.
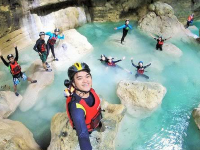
x: 28, y: 17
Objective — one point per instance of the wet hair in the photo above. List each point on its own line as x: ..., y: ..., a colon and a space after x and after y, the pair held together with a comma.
x: 126, y: 20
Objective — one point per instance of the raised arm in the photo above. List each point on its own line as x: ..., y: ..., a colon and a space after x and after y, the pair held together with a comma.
x: 61, y: 37
x: 49, y: 33
x: 147, y: 65
x: 133, y: 63
x: 4, y: 61
x: 16, y: 53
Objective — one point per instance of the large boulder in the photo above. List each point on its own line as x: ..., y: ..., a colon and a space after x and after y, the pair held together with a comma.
x: 71, y: 48
x: 43, y: 78
x: 63, y: 137
x: 160, y: 20
x: 172, y: 50
x: 140, y: 97
x: 8, y: 103
x: 15, y: 136
x: 196, y: 116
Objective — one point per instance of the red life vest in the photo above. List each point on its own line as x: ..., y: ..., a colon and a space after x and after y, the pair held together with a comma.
x: 160, y: 42
x: 190, y: 18
x: 111, y: 64
x: 43, y: 47
x: 15, y: 68
x: 140, y: 70
x: 52, y: 41
x: 93, y: 114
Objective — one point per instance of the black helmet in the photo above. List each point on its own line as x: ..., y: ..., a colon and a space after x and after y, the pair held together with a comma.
x: 57, y: 30
x: 41, y: 33
x: 77, y: 67
x: 9, y: 56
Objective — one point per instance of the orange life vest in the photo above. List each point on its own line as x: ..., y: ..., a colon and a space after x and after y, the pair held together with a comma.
x: 52, y: 41
x: 15, y: 68
x: 93, y: 114
x: 190, y: 18
x: 160, y: 42
x: 140, y: 70
x: 43, y: 47
x: 111, y: 64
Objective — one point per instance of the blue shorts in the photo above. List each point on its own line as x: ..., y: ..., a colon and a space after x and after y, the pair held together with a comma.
x: 22, y: 76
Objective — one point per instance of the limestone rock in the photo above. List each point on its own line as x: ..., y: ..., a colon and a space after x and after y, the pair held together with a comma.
x: 71, y: 48
x: 8, y: 103
x: 196, y: 116
x: 172, y: 50
x: 15, y: 136
x: 64, y: 137
x: 161, y: 21
x: 43, y: 78
x: 140, y: 97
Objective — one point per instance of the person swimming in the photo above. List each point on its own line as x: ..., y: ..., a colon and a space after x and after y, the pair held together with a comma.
x: 140, y: 69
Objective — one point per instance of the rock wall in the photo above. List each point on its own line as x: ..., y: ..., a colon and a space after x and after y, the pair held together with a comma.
x: 196, y: 116
x: 35, y: 16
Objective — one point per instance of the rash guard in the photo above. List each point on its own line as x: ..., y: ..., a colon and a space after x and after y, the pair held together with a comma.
x: 124, y: 26
x: 78, y: 117
x: 51, y: 35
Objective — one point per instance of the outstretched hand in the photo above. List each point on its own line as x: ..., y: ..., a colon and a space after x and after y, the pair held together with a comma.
x: 0, y: 53
x: 115, y: 28
x: 124, y: 58
x: 131, y: 58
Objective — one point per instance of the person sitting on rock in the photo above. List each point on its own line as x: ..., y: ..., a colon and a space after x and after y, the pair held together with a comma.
x: 140, y: 69
x: 125, y: 28
x: 160, y: 42
x: 190, y: 20
x: 111, y: 62
x: 40, y: 47
x: 52, y: 40
x: 15, y: 70
x: 83, y: 105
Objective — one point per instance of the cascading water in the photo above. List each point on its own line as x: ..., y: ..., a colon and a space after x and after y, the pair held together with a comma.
x: 169, y: 127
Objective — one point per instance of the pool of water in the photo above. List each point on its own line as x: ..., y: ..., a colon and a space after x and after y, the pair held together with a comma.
x: 170, y: 127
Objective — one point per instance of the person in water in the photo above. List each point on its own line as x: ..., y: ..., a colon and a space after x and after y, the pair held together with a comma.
x: 160, y: 42
x: 190, y: 20
x: 15, y: 69
x: 103, y: 58
x: 126, y: 27
x: 140, y: 69
x: 83, y: 105
x: 111, y: 62
x: 40, y: 47
x: 52, y: 40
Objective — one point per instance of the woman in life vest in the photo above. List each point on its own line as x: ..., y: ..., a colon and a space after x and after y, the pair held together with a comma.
x: 52, y: 40
x: 140, y: 69
x: 83, y: 105
x: 111, y: 62
x: 126, y: 27
x: 40, y: 47
x: 160, y: 42
x: 190, y: 20
x: 15, y: 69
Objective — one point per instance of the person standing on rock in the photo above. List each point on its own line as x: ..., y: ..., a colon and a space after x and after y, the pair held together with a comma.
x: 52, y: 40
x: 140, y: 69
x: 190, y: 20
x: 126, y: 27
x: 15, y: 69
x: 40, y: 47
x: 160, y: 42
x: 83, y: 106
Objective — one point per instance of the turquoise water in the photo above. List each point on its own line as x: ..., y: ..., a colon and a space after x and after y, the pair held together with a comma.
x: 170, y: 127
